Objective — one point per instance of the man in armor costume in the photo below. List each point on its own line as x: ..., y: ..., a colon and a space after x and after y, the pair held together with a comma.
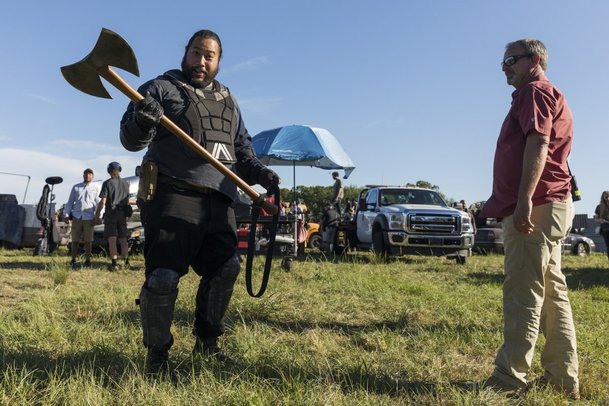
x: 187, y: 213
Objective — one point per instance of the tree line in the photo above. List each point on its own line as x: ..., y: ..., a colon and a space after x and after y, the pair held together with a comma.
x: 315, y: 197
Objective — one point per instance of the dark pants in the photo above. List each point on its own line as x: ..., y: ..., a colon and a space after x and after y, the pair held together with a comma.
x: 115, y: 223
x: 337, y: 206
x: 187, y: 228
x: 605, y: 234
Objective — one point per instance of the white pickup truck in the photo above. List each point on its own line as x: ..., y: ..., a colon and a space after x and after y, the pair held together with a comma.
x: 407, y: 220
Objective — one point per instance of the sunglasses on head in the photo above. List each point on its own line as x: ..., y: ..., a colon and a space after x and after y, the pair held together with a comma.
x: 510, y: 60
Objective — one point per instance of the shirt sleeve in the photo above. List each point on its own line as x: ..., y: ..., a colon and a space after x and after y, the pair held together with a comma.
x: 536, y: 109
x: 103, y: 192
x: 70, y: 202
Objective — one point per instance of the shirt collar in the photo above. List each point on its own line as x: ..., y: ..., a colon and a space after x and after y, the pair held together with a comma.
x: 537, y: 78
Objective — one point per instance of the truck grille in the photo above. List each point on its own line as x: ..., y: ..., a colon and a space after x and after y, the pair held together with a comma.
x: 432, y: 224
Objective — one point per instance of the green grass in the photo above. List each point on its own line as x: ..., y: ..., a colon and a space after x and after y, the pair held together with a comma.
x: 353, y: 331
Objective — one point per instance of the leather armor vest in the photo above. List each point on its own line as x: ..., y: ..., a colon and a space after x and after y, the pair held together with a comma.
x: 209, y: 119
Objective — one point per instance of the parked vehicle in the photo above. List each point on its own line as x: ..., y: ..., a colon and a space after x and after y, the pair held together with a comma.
x: 19, y: 226
x: 577, y: 244
x: 313, y: 235
x: 489, y: 239
x: 394, y: 220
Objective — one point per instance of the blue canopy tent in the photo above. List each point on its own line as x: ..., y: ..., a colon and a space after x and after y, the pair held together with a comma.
x: 300, y: 145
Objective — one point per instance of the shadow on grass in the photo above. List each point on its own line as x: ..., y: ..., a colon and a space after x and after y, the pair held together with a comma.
x: 34, y: 266
x: 485, y: 278
x: 104, y: 363
x: 577, y: 279
x: 108, y: 366
x: 363, y: 257
x: 586, y: 278
x: 353, y: 379
x: 401, y: 325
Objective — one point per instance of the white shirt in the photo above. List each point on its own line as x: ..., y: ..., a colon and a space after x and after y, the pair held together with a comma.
x: 83, y: 201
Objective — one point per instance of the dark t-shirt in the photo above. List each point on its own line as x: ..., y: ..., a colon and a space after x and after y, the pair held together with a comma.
x: 116, y: 192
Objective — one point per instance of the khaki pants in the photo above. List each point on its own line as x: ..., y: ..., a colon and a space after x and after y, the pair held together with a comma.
x: 84, y: 228
x: 535, y: 299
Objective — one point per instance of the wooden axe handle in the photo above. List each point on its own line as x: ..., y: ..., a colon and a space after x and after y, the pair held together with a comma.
x: 107, y: 73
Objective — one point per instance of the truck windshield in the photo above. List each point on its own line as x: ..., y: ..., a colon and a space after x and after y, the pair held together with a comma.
x: 410, y: 196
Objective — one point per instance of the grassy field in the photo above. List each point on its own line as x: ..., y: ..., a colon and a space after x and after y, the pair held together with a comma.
x: 351, y: 331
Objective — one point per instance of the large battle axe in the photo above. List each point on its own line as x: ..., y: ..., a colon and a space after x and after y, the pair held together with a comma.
x: 112, y: 49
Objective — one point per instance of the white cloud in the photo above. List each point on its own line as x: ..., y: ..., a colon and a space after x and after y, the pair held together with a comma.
x: 40, y: 165
x: 41, y: 98
x: 84, y: 147
x: 260, y: 105
x: 249, y: 65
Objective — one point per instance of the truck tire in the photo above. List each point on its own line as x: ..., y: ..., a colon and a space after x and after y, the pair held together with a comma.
x: 378, y: 244
x: 461, y: 259
x: 315, y: 241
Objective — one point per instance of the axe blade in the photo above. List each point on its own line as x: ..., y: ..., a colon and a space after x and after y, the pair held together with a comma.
x: 109, y: 50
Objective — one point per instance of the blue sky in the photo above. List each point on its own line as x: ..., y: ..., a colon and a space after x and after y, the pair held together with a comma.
x: 413, y: 90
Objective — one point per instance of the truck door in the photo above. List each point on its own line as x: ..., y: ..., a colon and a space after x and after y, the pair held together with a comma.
x: 365, y: 217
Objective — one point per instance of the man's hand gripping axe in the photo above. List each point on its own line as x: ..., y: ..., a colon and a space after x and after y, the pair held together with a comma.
x: 111, y: 49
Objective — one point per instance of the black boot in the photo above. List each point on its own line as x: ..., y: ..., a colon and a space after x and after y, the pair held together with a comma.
x: 208, y: 348
x: 157, y: 364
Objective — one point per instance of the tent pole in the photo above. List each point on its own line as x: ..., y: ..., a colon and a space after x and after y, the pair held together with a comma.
x: 295, y: 210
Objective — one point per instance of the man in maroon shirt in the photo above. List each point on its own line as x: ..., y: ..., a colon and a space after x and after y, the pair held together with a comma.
x: 532, y: 194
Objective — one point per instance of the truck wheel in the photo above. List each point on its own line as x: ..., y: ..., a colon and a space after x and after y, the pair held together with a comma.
x: 378, y: 245
x: 286, y: 264
x: 315, y: 241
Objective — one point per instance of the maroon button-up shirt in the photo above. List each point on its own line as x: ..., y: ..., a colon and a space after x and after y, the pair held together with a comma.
x: 541, y: 107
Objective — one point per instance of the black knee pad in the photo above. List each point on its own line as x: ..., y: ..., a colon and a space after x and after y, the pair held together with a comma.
x: 230, y: 269
x: 163, y: 280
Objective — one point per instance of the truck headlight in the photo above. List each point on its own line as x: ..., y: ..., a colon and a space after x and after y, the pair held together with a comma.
x: 466, y: 225
x: 396, y: 221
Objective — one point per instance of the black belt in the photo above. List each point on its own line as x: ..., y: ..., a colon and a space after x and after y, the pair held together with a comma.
x: 182, y: 184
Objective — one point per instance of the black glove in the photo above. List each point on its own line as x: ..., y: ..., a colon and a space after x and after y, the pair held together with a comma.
x: 267, y: 178
x: 148, y: 112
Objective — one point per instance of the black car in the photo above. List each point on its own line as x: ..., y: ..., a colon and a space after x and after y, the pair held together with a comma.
x: 490, y: 239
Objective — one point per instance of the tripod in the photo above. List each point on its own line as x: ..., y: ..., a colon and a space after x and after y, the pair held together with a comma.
x: 44, y: 211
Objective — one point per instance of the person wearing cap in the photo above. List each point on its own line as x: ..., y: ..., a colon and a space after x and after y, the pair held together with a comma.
x: 114, y: 197
x: 337, y: 191
x: 80, y: 209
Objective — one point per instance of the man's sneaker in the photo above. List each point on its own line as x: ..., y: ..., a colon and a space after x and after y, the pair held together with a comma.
x: 113, y: 267
x: 87, y: 263
x: 211, y: 350
x: 157, y: 365
x: 497, y: 385
x: 74, y: 264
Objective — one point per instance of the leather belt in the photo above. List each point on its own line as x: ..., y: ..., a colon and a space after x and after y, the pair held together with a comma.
x: 182, y: 184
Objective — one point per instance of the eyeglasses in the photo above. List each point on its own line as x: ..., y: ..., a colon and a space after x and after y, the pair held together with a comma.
x: 511, y: 60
